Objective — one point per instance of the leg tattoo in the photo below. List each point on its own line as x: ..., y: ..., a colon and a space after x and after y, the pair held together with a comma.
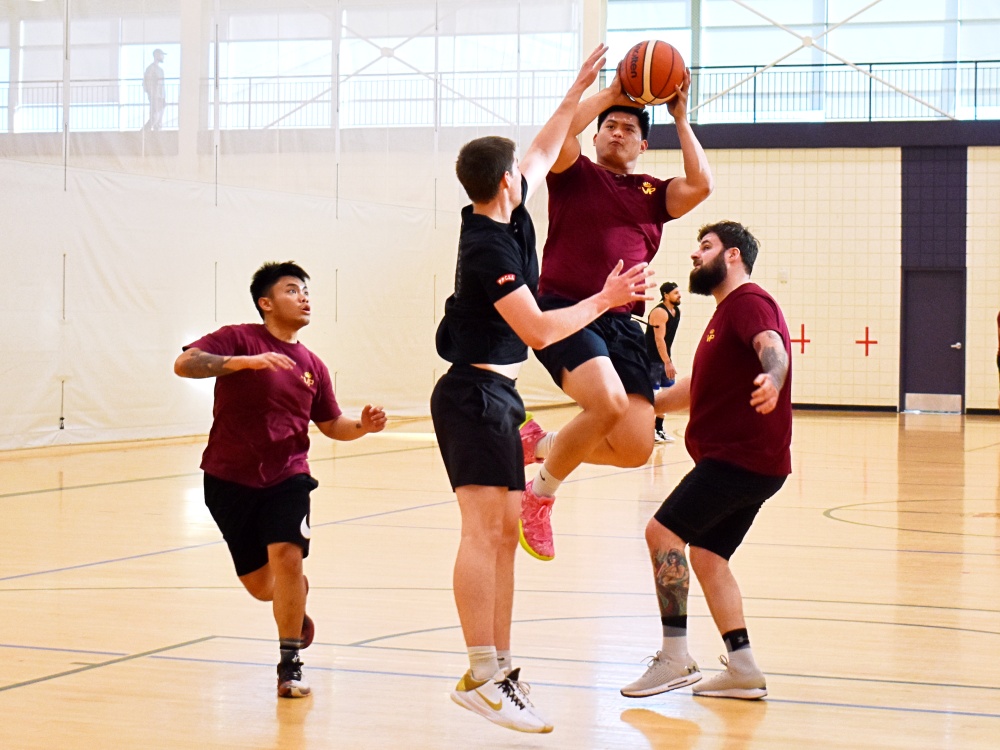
x: 672, y: 581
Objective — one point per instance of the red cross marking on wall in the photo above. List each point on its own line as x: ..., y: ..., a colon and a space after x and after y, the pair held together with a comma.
x: 802, y: 340
x: 866, y: 341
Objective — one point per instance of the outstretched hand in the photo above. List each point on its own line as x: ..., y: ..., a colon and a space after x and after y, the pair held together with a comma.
x: 625, y: 288
x: 678, y: 106
x: 765, y: 398
x: 373, y: 418
x: 591, y: 67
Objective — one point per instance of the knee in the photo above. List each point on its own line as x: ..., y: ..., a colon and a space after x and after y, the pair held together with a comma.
x: 707, y: 565
x: 488, y: 537
x: 609, y: 409
x: 659, y: 537
x: 285, y: 559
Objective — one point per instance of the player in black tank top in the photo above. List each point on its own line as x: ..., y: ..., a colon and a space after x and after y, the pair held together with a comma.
x: 663, y: 325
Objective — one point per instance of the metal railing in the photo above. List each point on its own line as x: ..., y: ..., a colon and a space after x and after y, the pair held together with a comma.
x: 965, y: 91
x: 94, y: 105
x: 789, y: 93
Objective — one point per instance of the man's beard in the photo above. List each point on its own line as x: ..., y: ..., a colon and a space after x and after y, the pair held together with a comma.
x: 708, y: 276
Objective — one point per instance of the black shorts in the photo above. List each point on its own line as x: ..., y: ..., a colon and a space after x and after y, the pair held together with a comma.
x: 476, y: 416
x: 658, y: 375
x: 250, y: 518
x: 613, y: 335
x: 715, y: 504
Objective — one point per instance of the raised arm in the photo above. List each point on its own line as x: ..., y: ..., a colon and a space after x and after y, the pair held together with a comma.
x: 194, y: 363
x: 684, y: 193
x: 539, y: 329
x: 774, y: 361
x: 586, y: 112
x: 543, y: 151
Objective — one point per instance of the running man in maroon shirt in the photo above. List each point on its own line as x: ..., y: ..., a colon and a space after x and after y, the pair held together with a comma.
x: 600, y: 213
x: 268, y: 388
x: 739, y: 434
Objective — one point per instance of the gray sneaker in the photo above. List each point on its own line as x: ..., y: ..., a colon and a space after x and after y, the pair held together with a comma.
x: 662, y: 675
x: 748, y: 685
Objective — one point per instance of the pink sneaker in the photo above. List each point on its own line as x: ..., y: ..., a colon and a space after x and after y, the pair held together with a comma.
x: 536, y: 525
x: 531, y: 433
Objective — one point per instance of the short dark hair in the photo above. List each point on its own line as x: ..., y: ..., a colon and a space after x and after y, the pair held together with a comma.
x: 666, y: 288
x: 267, y: 276
x: 481, y: 165
x: 639, y: 112
x: 734, y: 234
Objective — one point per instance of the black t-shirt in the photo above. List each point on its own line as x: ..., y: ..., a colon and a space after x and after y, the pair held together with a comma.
x: 672, y: 322
x: 494, y: 260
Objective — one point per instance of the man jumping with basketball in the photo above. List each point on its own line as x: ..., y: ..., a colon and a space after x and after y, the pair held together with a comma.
x: 268, y: 388
x: 475, y: 406
x: 600, y: 212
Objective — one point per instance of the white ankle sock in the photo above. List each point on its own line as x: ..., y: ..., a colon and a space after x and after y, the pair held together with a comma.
x: 742, y: 660
x: 544, y: 484
x: 483, y: 662
x: 544, y: 446
x: 504, y: 660
x: 675, y: 648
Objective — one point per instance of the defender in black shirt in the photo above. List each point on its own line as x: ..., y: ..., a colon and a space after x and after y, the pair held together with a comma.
x: 489, y: 322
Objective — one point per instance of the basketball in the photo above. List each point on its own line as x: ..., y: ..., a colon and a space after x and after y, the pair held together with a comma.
x: 651, y: 71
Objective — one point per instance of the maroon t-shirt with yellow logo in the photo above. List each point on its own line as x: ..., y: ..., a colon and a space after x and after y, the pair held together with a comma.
x: 722, y: 424
x: 260, y: 435
x: 596, y: 218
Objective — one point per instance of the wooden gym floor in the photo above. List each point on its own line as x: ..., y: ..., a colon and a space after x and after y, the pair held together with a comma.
x: 871, y: 584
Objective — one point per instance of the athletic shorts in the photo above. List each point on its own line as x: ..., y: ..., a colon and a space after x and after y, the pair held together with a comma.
x: 658, y: 375
x: 476, y: 416
x: 250, y: 518
x: 613, y: 335
x: 715, y: 504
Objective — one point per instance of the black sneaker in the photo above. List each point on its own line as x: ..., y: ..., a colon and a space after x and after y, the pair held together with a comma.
x: 291, y: 684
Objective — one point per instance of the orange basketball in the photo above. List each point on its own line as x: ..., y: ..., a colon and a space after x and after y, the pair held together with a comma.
x: 651, y: 71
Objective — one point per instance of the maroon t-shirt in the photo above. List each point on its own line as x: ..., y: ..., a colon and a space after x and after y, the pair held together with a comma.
x: 722, y: 424
x: 260, y: 435
x: 596, y: 218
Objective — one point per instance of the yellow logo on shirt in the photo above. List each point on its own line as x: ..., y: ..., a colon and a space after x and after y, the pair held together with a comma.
x: 648, y: 188
x: 710, y: 336
x: 307, y: 378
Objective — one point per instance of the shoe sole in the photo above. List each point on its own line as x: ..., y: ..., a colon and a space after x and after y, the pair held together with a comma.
x: 680, y: 682
x: 493, y: 717
x: 527, y: 547
x: 747, y: 694
x: 294, y: 692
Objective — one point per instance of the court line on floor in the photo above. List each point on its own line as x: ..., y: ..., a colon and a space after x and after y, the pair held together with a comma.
x: 424, y: 631
x: 210, y: 544
x: 130, y: 657
x: 158, y: 654
x: 63, y: 650
x: 638, y: 537
x: 315, y: 587
x: 598, y: 688
x: 139, y: 480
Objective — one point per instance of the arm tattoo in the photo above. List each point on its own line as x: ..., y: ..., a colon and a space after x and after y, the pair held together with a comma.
x: 672, y: 582
x: 773, y: 357
x: 205, y: 365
